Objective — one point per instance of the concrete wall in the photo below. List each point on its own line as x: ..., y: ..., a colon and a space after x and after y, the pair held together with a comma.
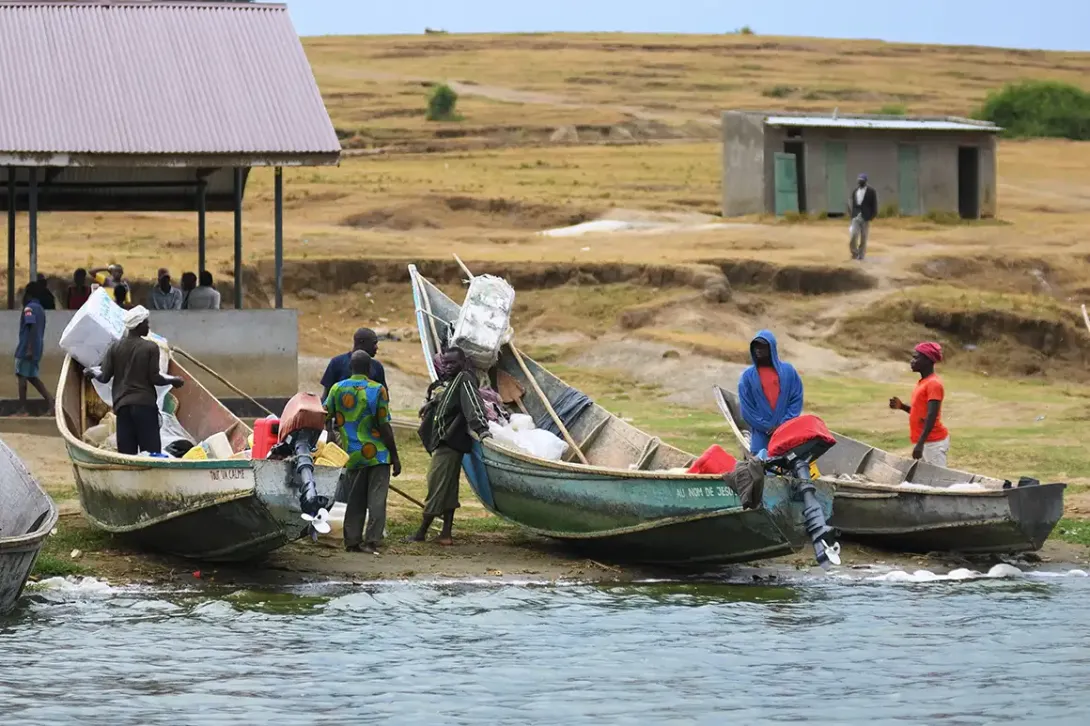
x: 875, y: 153
x: 743, y: 164
x: 257, y: 350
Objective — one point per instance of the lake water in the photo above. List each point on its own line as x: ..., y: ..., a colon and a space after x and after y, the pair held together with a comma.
x: 833, y: 650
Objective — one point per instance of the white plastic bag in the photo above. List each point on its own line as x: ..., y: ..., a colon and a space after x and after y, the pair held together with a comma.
x: 484, y: 322
x: 521, y: 422
x: 171, y: 430
x: 542, y: 444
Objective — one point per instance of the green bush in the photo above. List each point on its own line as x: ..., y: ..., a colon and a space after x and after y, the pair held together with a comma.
x: 441, y: 104
x: 1040, y: 109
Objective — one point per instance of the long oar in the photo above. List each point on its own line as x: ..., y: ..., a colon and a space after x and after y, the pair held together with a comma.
x: 224, y: 381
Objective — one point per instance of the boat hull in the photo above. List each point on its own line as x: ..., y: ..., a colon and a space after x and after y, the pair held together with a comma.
x: 639, y: 518
x: 27, y: 516
x: 216, y: 511
x: 916, y: 507
x: 1003, y: 522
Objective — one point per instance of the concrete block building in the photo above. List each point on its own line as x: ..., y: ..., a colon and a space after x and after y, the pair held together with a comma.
x: 790, y: 162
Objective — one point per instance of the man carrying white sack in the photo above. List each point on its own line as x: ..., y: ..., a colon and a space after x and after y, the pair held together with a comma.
x: 132, y: 363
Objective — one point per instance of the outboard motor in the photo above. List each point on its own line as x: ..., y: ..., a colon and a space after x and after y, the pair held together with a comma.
x: 795, y: 445
x: 301, y: 425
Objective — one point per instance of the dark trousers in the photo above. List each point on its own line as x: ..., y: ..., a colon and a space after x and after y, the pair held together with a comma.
x: 366, y: 489
x: 138, y: 430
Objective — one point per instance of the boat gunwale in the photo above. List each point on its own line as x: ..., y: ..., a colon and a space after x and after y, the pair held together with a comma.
x: 114, y: 461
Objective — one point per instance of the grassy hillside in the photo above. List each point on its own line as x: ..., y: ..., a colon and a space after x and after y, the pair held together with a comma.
x: 530, y: 84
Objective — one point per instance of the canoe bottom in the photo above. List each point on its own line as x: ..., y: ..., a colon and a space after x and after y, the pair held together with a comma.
x: 714, y: 539
x: 233, y: 531
x: 979, y: 538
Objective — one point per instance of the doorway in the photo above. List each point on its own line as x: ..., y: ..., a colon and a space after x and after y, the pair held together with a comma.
x: 798, y: 148
x: 969, y: 182
x: 836, y: 178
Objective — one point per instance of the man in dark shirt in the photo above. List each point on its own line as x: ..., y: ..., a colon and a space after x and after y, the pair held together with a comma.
x: 132, y: 364
x: 864, y: 208
x: 28, y: 353
x: 451, y: 421
x: 340, y: 368
x: 44, y: 295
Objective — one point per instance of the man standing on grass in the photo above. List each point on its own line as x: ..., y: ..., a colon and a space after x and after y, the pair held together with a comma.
x: 864, y: 206
x: 366, y: 340
x: 28, y: 353
x: 451, y: 420
x: 931, y: 440
x: 360, y: 409
x: 769, y: 391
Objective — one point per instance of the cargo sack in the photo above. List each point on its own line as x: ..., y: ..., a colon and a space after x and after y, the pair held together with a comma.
x: 748, y: 482
x: 484, y: 322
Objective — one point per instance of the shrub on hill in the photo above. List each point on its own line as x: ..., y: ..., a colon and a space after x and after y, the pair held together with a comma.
x: 441, y: 104
x: 1040, y: 109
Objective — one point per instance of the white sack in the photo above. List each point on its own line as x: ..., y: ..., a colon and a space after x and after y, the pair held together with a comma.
x: 484, y: 322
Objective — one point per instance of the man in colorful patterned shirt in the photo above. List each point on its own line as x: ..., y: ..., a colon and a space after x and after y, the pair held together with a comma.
x: 360, y: 411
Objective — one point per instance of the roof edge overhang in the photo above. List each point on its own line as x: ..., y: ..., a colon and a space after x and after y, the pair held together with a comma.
x: 66, y: 159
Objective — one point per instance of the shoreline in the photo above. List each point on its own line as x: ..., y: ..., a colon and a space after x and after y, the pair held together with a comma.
x: 507, y: 556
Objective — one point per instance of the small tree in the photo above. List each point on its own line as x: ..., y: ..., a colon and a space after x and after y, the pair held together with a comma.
x: 441, y: 104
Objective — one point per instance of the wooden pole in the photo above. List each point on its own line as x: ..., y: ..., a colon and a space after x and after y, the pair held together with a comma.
x: 1085, y: 317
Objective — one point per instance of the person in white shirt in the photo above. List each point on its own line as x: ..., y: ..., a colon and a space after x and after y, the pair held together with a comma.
x: 204, y: 296
x: 864, y: 206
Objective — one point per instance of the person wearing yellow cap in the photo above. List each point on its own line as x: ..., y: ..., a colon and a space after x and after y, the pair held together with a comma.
x: 930, y: 439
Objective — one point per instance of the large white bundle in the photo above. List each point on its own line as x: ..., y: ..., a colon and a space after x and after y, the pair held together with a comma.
x: 97, y: 325
x: 536, y: 442
x: 484, y: 324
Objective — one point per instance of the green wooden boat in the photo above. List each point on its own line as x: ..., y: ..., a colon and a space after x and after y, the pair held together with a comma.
x: 900, y: 504
x: 218, y: 510
x: 630, y: 503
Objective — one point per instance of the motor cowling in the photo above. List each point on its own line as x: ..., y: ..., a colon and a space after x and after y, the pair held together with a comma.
x: 793, y: 447
x: 301, y: 426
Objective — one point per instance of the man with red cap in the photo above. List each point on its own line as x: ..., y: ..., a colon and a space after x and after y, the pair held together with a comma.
x: 930, y: 439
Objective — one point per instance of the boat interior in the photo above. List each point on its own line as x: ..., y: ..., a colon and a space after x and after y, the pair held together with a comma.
x: 199, y: 412
x: 24, y: 508
x: 605, y: 440
x: 852, y: 459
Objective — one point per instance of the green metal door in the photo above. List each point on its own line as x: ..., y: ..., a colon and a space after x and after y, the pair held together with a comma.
x: 908, y: 179
x: 836, y: 177
x: 787, y: 184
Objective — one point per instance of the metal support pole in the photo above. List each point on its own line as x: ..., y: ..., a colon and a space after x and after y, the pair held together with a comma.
x: 278, y: 223
x: 238, y: 238
x: 33, y: 223
x: 11, y: 237
x: 202, y: 210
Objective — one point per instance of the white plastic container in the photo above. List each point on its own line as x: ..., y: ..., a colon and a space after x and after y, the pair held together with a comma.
x: 217, y: 446
x: 484, y: 323
x: 97, y: 325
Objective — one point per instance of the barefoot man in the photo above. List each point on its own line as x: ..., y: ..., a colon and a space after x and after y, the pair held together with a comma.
x: 451, y: 420
x: 931, y: 440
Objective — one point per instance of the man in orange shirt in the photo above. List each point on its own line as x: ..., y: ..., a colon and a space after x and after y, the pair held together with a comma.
x: 931, y: 440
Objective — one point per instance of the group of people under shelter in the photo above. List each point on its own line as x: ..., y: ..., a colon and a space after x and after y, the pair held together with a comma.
x: 770, y: 393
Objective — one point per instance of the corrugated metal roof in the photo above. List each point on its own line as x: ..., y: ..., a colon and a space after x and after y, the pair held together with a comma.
x: 157, y: 78
x: 891, y: 124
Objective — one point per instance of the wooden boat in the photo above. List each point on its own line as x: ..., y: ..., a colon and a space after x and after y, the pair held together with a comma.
x: 27, y: 516
x: 215, y: 509
x: 626, y: 504
x: 898, y: 503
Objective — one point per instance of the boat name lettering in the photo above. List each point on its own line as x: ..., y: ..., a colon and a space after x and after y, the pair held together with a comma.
x: 223, y: 474
x: 694, y: 492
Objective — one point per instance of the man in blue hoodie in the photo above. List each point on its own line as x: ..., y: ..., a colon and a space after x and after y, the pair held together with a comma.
x: 770, y: 391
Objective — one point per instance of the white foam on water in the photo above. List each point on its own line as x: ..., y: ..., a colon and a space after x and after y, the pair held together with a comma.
x: 215, y: 609
x: 76, y: 586
x: 1000, y: 571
